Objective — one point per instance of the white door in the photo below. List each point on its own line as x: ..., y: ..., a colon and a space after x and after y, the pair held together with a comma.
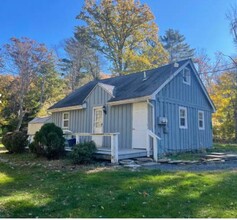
x: 139, y: 125
x: 98, y: 119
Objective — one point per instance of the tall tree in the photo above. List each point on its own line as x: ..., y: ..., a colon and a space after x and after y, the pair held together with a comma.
x: 29, y: 60
x: 174, y: 43
x: 224, y: 96
x: 121, y: 30
x: 81, y: 61
x: 231, y: 16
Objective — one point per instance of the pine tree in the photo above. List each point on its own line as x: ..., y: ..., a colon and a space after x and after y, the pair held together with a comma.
x: 174, y: 43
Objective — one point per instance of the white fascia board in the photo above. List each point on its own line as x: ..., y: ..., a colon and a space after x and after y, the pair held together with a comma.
x: 108, y: 88
x: 202, y: 86
x: 76, y: 107
x: 153, y: 96
x: 127, y: 101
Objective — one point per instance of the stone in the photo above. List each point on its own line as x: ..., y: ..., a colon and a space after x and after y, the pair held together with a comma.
x: 134, y: 166
x: 149, y: 164
x: 164, y: 160
x: 126, y: 162
x: 144, y: 159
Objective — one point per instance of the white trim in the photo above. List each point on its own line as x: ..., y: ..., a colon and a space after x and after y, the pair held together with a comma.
x: 153, y: 115
x: 76, y: 107
x: 202, y: 86
x: 203, y: 120
x: 96, y: 85
x: 153, y: 96
x: 185, y: 117
x: 126, y: 101
x: 108, y: 91
x: 93, y: 115
x: 63, y: 120
x: 188, y: 77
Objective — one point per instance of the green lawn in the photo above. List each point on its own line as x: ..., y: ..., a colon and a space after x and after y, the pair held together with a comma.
x: 225, y: 148
x: 40, y: 192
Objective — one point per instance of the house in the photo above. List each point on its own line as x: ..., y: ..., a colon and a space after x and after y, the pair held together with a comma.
x: 35, y: 125
x: 159, y: 111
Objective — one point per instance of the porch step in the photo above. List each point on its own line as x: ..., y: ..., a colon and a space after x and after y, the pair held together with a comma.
x: 105, y: 153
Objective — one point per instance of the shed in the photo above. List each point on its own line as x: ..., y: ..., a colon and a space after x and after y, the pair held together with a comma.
x: 36, y: 124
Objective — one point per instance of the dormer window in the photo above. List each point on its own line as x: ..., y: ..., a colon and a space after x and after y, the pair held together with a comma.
x: 186, y: 76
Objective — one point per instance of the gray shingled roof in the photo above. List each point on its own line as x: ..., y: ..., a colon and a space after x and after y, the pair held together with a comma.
x: 126, y: 87
x: 41, y: 120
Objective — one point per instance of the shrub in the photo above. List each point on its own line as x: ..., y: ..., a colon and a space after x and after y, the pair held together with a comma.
x: 15, y: 142
x: 83, y: 153
x: 48, y: 142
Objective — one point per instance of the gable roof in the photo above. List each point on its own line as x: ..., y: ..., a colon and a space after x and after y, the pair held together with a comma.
x: 40, y: 120
x: 128, y: 86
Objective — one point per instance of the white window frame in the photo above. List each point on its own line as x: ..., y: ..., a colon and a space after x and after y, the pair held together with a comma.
x: 63, y: 120
x: 185, y: 117
x: 188, y: 82
x: 203, y: 120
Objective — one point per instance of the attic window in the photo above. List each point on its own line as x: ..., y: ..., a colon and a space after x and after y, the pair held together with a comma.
x: 186, y: 76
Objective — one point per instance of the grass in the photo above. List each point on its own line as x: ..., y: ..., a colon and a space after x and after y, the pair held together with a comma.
x: 35, y: 191
x: 225, y: 148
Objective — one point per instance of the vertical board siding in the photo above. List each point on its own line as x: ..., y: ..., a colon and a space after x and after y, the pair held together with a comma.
x: 116, y: 119
x: 168, y: 100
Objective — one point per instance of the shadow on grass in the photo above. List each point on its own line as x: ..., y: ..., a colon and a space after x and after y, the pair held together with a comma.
x: 119, y: 193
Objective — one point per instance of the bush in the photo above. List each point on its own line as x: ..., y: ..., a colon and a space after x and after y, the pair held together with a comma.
x: 15, y: 142
x: 83, y: 153
x: 48, y: 142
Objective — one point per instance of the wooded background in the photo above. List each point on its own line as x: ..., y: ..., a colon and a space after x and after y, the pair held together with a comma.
x: 123, y: 35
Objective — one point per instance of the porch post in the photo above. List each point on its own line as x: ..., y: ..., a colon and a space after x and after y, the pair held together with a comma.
x: 148, y: 143
x: 155, y: 149
x: 114, y: 148
x: 77, y: 138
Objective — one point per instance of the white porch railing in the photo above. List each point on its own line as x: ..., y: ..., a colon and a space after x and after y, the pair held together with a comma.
x: 155, y: 145
x: 113, y: 139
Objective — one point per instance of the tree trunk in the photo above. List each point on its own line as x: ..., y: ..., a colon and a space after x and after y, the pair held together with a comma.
x: 21, y: 113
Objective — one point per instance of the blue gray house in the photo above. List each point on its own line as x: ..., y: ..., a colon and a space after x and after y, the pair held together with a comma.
x: 159, y: 111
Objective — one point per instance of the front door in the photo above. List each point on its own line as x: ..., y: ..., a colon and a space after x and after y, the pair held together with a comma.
x: 139, y: 125
x: 98, y: 120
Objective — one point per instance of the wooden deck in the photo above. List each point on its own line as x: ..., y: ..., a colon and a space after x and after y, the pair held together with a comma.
x: 105, y: 153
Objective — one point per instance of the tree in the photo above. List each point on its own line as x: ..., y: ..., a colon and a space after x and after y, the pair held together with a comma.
x: 224, y: 96
x: 30, y: 61
x: 120, y: 30
x: 81, y: 61
x: 231, y: 16
x: 8, y: 105
x: 174, y: 43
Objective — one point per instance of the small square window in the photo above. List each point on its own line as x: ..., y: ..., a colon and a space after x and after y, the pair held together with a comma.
x: 183, y: 117
x: 186, y: 76
x: 201, y: 124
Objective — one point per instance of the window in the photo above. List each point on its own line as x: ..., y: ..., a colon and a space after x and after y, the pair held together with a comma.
x: 201, y: 125
x: 65, y: 120
x: 183, y: 117
x: 186, y: 76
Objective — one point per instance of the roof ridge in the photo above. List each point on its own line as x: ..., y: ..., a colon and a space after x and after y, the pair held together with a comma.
x: 129, y: 74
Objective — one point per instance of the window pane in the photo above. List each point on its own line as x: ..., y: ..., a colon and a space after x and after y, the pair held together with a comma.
x: 200, y: 124
x: 65, y: 116
x: 182, y: 122
x: 65, y: 124
x: 182, y: 113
